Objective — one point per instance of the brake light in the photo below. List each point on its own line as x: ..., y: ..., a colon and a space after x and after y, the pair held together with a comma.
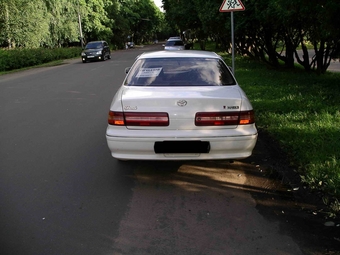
x: 146, y: 119
x: 116, y: 118
x: 138, y: 118
x: 247, y: 117
x: 224, y: 118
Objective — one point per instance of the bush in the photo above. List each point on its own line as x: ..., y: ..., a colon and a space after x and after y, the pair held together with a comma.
x: 21, y: 58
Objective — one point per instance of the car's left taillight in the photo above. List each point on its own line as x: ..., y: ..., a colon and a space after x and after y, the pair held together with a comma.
x: 116, y: 118
x: 138, y: 118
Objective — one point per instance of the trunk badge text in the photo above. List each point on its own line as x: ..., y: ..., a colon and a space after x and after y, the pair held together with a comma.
x: 182, y: 103
x: 233, y: 107
x: 130, y: 108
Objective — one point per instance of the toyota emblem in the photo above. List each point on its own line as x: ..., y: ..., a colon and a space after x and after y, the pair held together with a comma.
x: 182, y: 103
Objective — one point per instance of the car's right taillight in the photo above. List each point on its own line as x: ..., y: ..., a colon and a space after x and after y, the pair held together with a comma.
x: 224, y: 118
x: 138, y: 118
x: 247, y: 117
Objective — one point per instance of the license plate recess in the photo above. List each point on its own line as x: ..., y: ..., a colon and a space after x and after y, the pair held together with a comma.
x: 182, y: 147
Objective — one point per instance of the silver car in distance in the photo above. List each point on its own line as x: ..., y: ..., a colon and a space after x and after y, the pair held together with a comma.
x: 180, y: 105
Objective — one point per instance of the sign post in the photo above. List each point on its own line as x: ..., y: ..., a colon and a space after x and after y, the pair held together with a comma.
x: 231, y: 6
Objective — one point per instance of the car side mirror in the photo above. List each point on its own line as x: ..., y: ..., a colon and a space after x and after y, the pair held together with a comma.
x: 127, y: 69
x: 163, y: 45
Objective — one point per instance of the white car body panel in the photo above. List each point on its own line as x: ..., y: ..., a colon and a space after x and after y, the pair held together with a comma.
x: 164, y: 99
x: 139, y: 148
x: 174, y: 47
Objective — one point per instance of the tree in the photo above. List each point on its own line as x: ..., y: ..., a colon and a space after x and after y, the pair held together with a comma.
x: 23, y: 23
x: 120, y: 26
x: 215, y: 25
x: 63, y: 22
x: 322, y: 32
x: 143, y: 17
x: 96, y: 23
x: 181, y: 15
x: 274, y: 29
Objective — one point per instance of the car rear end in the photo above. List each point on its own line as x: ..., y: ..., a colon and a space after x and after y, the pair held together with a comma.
x: 174, y: 44
x: 180, y: 122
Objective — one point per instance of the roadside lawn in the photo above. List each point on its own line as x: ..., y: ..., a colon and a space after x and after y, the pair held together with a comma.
x: 301, y: 111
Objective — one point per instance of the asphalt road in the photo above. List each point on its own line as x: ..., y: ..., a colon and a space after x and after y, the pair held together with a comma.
x: 61, y: 192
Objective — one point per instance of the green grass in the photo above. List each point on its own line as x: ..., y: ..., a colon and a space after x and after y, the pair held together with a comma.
x: 302, y: 112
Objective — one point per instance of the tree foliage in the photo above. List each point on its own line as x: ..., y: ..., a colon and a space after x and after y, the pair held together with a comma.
x: 55, y: 23
x: 143, y: 19
x: 61, y: 16
x: 268, y: 30
x: 22, y: 23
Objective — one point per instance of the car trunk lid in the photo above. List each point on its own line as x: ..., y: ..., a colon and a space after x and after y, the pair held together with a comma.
x: 181, y: 104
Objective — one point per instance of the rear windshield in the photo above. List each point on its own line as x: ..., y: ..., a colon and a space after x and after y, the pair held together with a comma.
x: 179, y: 72
x: 94, y: 45
x: 174, y: 43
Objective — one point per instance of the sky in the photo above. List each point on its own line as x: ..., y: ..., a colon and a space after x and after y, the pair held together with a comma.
x: 158, y: 3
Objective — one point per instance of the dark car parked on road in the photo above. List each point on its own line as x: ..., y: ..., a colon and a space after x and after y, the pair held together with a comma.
x: 96, y: 50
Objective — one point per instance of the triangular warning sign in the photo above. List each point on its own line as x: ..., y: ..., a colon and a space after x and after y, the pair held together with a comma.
x: 231, y: 6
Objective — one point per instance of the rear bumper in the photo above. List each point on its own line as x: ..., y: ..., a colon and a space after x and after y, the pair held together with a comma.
x: 143, y: 148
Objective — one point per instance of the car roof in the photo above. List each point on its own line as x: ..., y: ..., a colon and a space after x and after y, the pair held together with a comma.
x: 179, y: 54
x: 96, y: 41
x: 175, y: 39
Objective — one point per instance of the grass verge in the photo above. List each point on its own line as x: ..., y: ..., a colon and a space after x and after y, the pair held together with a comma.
x: 301, y: 111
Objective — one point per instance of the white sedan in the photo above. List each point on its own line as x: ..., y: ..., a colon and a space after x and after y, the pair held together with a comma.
x: 174, y: 43
x: 180, y: 105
